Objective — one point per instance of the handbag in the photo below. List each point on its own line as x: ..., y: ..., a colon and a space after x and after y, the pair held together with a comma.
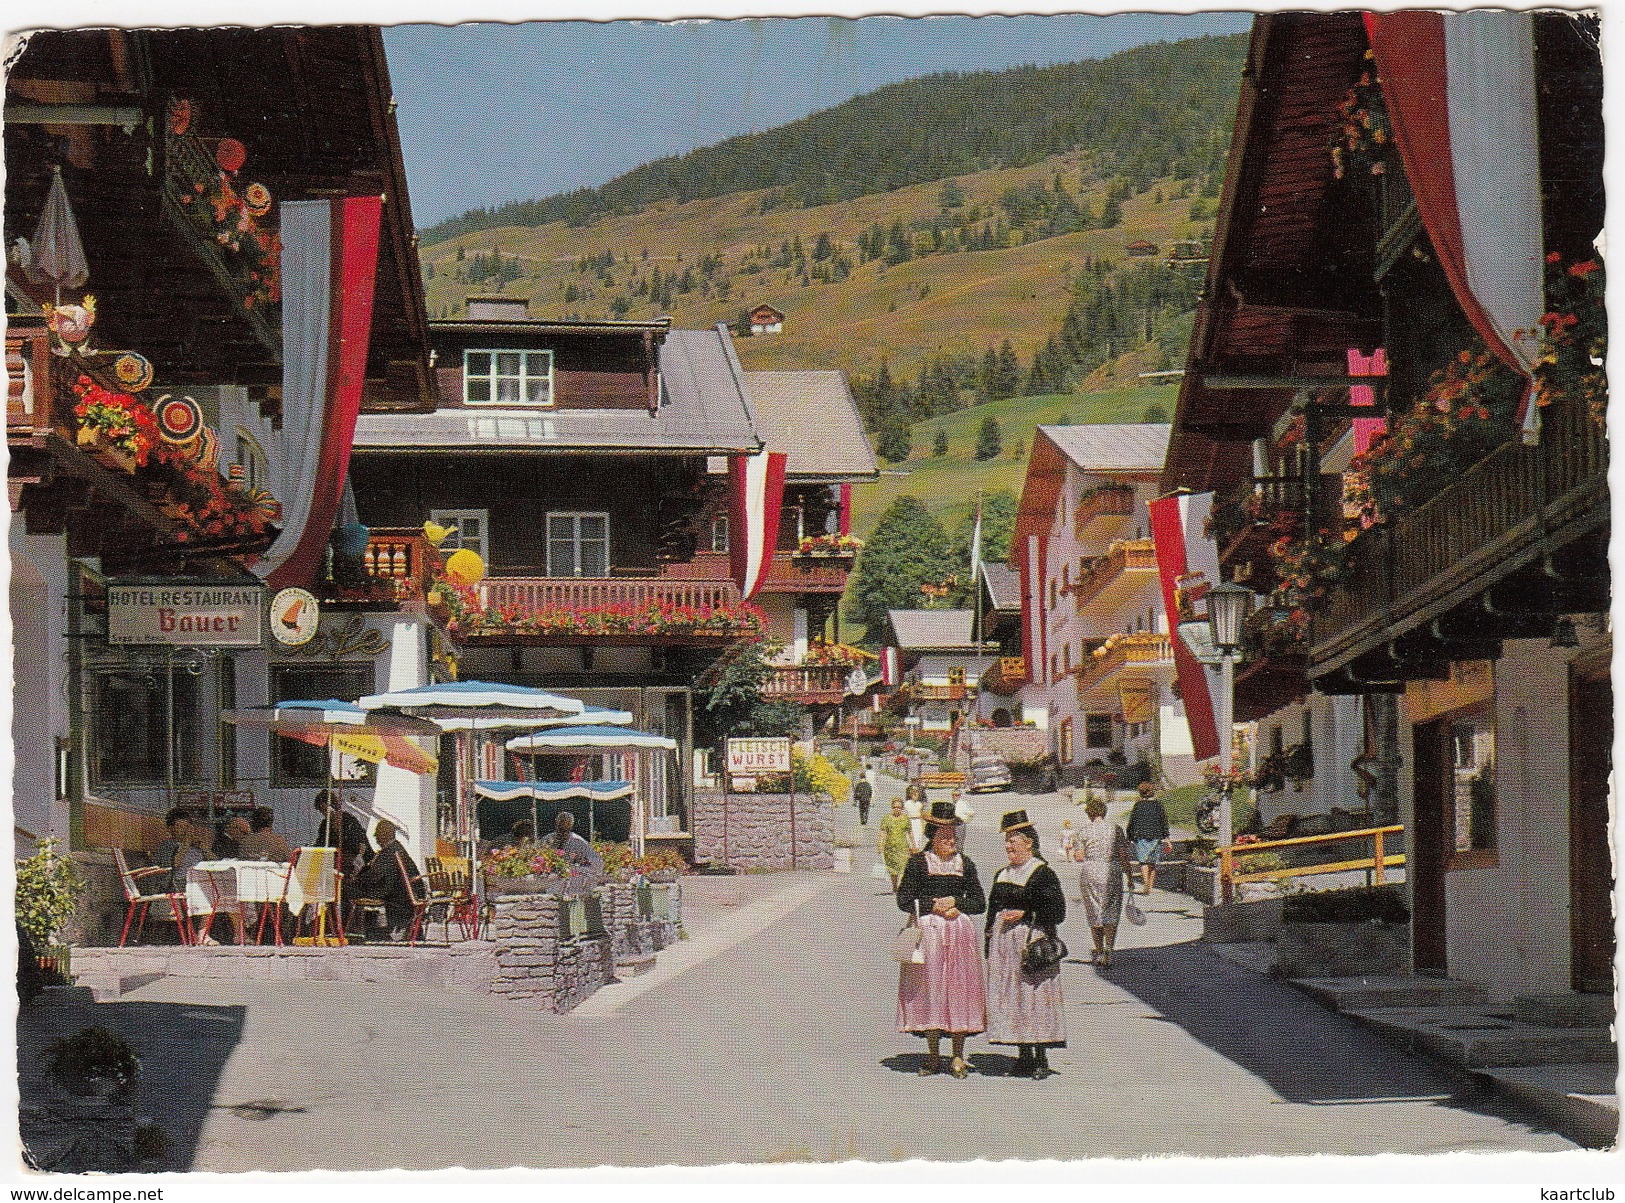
x: 1044, y: 951
x: 906, y: 948
x: 1133, y: 913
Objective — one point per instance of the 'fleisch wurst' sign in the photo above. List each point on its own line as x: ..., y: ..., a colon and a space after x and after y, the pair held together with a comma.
x: 186, y: 615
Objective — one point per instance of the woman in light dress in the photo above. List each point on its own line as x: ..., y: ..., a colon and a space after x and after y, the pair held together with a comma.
x: 895, y: 844
x: 1026, y: 899
x: 947, y: 994
x: 1101, y: 849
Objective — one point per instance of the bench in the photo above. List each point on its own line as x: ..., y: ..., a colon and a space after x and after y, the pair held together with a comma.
x: 942, y: 780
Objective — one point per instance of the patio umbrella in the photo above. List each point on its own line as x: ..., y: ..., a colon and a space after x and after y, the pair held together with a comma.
x: 57, y: 256
x: 470, y: 707
x: 595, y: 739
x: 345, y: 727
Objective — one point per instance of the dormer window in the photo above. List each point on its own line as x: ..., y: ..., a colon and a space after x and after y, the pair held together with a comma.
x: 499, y: 377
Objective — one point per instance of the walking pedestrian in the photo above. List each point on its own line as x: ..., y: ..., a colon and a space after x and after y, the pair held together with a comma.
x: 863, y: 794
x: 1066, y: 847
x: 1103, y: 854
x: 896, y: 844
x: 1148, y: 831
x: 914, y: 808
x: 947, y: 994
x: 1025, y: 900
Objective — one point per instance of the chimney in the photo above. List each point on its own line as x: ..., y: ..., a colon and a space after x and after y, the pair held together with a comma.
x: 498, y: 309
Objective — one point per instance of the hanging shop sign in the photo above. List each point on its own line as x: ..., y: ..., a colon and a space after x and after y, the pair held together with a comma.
x: 1139, y: 698
x: 295, y: 615
x: 194, y: 615
x: 747, y: 757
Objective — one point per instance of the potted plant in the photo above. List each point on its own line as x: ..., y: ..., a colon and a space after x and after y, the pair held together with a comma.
x: 525, y: 869
x: 49, y: 886
x: 93, y: 1062
x: 114, y: 427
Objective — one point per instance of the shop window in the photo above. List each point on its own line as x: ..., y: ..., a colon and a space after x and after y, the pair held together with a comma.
x: 1472, y: 799
x: 294, y: 763
x: 577, y: 544
x: 146, y: 720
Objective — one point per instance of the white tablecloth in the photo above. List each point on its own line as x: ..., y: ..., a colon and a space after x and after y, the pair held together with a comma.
x: 223, y: 884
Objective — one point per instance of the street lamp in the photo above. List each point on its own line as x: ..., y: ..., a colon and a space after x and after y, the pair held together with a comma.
x: 1228, y: 605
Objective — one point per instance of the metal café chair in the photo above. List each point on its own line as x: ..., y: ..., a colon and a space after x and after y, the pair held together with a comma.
x: 139, y: 901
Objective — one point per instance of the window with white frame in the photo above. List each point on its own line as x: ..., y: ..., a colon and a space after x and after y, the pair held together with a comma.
x: 719, y: 533
x: 577, y: 544
x: 499, y: 377
x: 469, y: 528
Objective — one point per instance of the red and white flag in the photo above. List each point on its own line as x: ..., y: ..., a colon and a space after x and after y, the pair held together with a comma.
x: 1460, y: 93
x: 1188, y: 563
x: 891, y: 668
x: 758, y: 496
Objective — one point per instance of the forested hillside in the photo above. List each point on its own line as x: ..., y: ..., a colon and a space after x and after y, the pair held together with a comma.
x: 1144, y: 114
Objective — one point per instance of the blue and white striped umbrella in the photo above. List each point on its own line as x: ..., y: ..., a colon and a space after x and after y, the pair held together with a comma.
x: 553, y: 791
x: 591, y: 739
x: 477, y: 705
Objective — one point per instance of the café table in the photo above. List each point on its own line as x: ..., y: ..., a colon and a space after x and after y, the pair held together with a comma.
x: 213, y: 886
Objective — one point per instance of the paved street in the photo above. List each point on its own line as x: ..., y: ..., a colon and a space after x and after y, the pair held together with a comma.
x: 769, y: 1036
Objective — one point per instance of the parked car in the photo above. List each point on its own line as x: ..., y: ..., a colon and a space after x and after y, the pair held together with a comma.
x: 988, y: 772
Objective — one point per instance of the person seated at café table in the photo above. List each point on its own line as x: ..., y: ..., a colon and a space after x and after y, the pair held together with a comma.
x: 260, y: 842
x: 352, y: 836
x: 164, y: 854
x: 572, y: 846
x: 226, y: 845
x: 385, y: 878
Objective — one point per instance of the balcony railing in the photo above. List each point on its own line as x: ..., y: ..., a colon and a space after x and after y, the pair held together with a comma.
x: 1108, y: 501
x: 1493, y: 519
x: 787, y: 572
x: 1126, y: 555
x: 30, y: 392
x: 810, y: 684
x: 597, y: 593
x: 1142, y: 650
x: 939, y: 693
x: 399, y: 565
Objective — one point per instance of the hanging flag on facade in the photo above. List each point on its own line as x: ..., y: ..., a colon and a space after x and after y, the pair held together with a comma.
x: 1188, y: 564
x: 758, y: 496
x: 891, y: 673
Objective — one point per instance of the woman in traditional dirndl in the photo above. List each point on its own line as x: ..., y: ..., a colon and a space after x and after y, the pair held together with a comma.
x: 947, y: 994
x: 1026, y: 900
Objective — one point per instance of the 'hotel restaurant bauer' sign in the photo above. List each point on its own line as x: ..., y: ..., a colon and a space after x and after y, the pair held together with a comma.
x: 186, y: 615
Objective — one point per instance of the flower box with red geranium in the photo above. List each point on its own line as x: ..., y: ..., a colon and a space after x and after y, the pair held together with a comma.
x: 825, y: 547
x: 115, y: 427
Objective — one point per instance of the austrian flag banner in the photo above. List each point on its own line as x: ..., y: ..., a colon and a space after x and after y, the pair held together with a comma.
x: 758, y: 496
x: 1188, y: 560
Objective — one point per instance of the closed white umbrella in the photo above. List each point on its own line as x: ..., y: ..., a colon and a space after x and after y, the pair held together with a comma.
x: 57, y: 256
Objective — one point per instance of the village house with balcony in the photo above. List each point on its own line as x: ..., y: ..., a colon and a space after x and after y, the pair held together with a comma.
x: 1099, y: 666
x: 942, y: 665
x: 211, y: 265
x: 1429, y: 539
x: 592, y: 467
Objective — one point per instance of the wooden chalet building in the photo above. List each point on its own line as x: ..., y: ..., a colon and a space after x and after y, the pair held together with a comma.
x: 195, y: 220
x: 593, y: 468
x: 1430, y: 551
x: 764, y: 319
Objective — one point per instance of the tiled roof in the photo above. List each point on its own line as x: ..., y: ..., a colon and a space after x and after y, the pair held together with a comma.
x: 811, y: 416
x: 706, y: 410
x: 1003, y: 585
x: 922, y: 629
x: 1113, y: 447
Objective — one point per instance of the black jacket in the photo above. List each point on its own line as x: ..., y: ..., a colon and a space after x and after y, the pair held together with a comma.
x: 1042, y: 898
x: 1148, y: 820
x: 920, y: 886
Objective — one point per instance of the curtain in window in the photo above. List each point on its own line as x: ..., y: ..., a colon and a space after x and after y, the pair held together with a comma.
x: 329, y: 264
x: 1460, y: 92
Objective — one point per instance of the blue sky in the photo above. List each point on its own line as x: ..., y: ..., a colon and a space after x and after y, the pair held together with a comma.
x: 491, y: 113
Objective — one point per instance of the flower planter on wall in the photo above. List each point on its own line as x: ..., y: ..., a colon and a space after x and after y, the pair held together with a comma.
x: 98, y: 447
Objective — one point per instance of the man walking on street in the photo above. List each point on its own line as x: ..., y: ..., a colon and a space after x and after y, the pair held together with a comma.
x: 863, y: 793
x: 1148, y: 831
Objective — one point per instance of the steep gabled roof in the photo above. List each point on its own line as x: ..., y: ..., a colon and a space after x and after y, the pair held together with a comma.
x: 932, y: 630
x: 1128, y: 449
x: 812, y: 417
x: 1003, y: 585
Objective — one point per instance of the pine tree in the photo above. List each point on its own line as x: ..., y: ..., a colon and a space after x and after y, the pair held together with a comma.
x: 939, y: 444
x: 894, y: 444
x: 1009, y: 373
x: 989, y: 439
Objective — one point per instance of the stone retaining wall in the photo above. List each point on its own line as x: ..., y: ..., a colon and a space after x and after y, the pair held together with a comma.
x: 752, y: 831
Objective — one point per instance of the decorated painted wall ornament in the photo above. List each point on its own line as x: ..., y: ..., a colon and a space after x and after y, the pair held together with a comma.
x: 180, y: 419
x: 207, y: 451
x: 295, y: 615
x: 134, y: 371
x: 70, y: 323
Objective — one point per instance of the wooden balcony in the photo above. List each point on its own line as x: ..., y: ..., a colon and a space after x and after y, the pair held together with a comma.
x: 1498, y: 517
x: 809, y: 684
x: 1005, y: 676
x: 1144, y: 651
x: 788, y: 572
x: 399, y: 564
x: 562, y: 611
x: 599, y: 593
x: 938, y: 693
x: 1125, y: 560
x: 1107, y: 501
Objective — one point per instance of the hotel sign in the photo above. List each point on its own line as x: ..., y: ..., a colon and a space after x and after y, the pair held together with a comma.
x: 192, y: 615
